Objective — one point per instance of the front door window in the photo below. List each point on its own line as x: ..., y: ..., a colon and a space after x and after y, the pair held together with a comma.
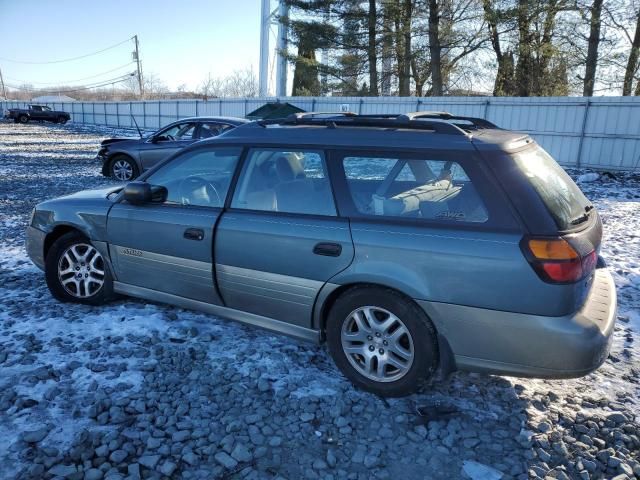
x: 199, y: 178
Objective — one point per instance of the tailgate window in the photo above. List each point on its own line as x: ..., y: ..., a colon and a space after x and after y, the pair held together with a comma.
x: 562, y: 197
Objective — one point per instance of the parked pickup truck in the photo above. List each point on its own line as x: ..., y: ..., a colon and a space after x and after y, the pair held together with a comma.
x: 37, y: 112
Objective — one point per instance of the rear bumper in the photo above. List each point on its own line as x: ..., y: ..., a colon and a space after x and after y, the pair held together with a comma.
x: 35, y: 246
x: 524, y: 345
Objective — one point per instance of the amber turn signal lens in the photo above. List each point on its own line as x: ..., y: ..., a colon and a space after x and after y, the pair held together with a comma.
x: 556, y: 249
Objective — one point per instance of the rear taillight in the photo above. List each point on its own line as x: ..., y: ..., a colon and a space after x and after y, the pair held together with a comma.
x: 556, y: 261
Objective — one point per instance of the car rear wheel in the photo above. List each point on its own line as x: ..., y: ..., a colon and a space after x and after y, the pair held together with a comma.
x: 76, y: 272
x: 382, y: 341
x: 62, y: 120
x: 123, y: 168
x: 23, y: 119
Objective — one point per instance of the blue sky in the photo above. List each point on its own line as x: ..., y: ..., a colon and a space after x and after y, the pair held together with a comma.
x: 181, y: 41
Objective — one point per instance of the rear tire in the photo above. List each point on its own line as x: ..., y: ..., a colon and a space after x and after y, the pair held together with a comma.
x: 382, y: 341
x: 123, y: 168
x: 23, y: 119
x: 76, y: 272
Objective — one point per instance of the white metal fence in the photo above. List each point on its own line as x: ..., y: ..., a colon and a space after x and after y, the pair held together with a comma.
x: 599, y: 132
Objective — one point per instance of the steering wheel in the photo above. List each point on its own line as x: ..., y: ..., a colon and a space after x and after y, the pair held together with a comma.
x: 190, y: 184
x: 171, y: 138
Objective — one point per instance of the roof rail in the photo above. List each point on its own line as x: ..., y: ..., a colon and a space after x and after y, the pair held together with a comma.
x: 299, y: 115
x: 439, y: 122
x: 446, y: 116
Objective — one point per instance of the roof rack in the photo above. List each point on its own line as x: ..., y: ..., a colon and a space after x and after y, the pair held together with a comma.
x: 439, y: 122
x: 478, y: 123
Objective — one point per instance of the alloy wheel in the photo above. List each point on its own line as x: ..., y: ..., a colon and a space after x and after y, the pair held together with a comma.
x: 377, y: 344
x: 122, y: 170
x: 81, y: 270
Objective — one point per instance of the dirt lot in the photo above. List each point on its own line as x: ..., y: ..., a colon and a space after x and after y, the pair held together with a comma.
x: 137, y: 390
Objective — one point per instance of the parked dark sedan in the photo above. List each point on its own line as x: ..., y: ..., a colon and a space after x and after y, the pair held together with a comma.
x: 126, y: 158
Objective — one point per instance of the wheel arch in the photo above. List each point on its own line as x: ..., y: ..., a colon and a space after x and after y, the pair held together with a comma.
x: 120, y: 153
x: 326, y: 300
x: 57, y: 232
x: 64, y: 228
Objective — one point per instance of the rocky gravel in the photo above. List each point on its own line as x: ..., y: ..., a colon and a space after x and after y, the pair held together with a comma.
x: 143, y: 391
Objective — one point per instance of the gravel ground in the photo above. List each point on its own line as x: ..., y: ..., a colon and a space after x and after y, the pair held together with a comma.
x: 138, y: 390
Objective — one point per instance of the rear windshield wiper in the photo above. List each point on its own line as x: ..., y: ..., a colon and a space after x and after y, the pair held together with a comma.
x: 584, y: 217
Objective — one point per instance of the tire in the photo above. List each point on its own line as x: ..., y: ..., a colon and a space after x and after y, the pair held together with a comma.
x: 123, y: 168
x: 23, y: 119
x: 62, y: 120
x: 65, y: 262
x: 418, y: 337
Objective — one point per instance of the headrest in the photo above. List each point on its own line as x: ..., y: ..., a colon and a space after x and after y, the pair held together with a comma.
x: 289, y: 167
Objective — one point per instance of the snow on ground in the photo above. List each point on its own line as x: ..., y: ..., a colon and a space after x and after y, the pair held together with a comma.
x: 140, y: 390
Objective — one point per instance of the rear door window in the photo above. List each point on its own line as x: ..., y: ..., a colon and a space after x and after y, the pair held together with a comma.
x: 285, y: 181
x: 429, y: 189
x: 565, y: 202
x: 208, y: 130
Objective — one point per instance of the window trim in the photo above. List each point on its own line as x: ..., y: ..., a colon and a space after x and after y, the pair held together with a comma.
x: 281, y: 148
x: 500, y: 217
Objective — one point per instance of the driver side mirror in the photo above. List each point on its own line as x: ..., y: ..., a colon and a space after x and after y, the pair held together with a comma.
x: 139, y: 193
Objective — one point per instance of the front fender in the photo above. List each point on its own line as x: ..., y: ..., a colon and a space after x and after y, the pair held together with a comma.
x: 85, y: 211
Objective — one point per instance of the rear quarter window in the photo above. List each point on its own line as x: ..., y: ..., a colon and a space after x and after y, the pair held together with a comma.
x: 561, y: 196
x: 429, y: 189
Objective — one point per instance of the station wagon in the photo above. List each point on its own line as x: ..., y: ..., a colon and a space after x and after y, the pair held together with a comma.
x: 411, y: 244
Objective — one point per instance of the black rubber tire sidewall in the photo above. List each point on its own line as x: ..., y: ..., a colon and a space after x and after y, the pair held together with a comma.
x: 51, y: 273
x: 62, y: 120
x: 422, y: 332
x: 134, y: 167
x: 23, y: 119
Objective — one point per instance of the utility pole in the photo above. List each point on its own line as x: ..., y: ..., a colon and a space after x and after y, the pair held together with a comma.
x: 137, y: 55
x: 4, y: 92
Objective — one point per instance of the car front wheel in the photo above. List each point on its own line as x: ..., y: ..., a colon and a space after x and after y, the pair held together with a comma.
x: 23, y: 119
x: 123, y: 168
x: 76, y: 272
x: 382, y: 341
x: 62, y: 120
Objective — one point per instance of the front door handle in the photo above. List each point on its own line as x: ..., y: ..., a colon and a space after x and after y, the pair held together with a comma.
x: 194, y: 234
x: 328, y: 249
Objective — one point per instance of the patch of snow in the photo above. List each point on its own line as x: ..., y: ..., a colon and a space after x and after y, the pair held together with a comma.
x: 588, y: 177
x: 478, y: 471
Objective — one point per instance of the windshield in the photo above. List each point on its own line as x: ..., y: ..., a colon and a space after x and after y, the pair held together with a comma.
x: 562, y: 197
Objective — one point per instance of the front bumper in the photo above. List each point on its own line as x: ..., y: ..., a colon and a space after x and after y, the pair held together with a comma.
x: 35, y: 246
x: 523, y: 345
x: 105, y: 164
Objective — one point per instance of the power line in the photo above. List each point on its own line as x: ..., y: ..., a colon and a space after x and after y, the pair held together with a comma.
x: 62, y: 82
x: 67, y: 59
x: 104, y: 83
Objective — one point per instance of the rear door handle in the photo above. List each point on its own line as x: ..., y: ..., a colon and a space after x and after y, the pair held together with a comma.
x: 194, y: 234
x: 328, y: 249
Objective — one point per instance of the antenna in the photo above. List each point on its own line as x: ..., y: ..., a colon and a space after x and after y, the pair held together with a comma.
x: 136, y: 123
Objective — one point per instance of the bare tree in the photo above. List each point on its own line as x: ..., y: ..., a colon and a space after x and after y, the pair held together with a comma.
x: 632, y: 63
x: 592, y: 49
